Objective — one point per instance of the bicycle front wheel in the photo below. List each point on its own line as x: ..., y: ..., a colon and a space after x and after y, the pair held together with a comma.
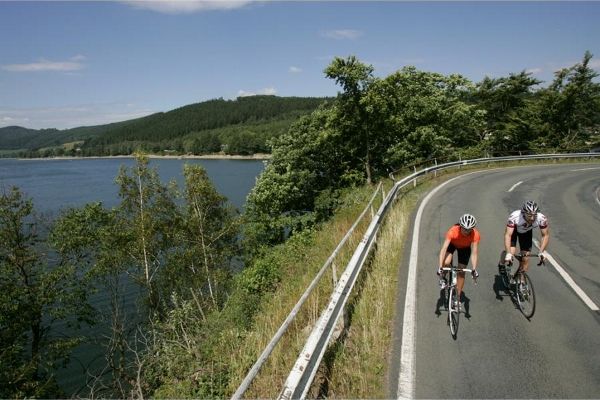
x: 453, y: 312
x: 526, y: 296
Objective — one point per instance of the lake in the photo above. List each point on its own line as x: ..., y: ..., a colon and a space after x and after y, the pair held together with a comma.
x: 56, y: 184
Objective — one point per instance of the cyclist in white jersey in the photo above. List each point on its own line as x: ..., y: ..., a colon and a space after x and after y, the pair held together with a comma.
x: 519, y: 227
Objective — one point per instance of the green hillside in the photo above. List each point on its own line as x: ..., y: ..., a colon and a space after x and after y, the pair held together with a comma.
x: 240, y: 126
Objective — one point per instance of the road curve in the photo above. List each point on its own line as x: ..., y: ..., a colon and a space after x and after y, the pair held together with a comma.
x: 499, y: 353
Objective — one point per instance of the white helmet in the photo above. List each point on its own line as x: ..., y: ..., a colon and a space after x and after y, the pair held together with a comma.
x: 530, y: 207
x: 467, y: 221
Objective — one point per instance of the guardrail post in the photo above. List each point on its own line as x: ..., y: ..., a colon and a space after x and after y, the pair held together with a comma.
x: 334, y: 273
x: 415, y: 180
x: 435, y: 172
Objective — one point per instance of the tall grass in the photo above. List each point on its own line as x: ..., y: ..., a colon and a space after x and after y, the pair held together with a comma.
x: 298, y: 266
x: 359, y: 365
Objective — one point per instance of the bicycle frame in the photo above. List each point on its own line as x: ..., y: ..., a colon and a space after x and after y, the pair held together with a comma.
x: 520, y: 286
x: 451, y: 298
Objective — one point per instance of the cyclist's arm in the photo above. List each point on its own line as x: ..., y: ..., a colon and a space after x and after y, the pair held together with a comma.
x: 443, y: 252
x: 545, y: 239
x: 474, y: 254
x: 507, y: 235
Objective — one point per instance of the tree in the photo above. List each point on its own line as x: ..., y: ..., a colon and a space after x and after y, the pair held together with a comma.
x: 196, y: 279
x: 304, y: 162
x: 510, y: 120
x: 148, y: 215
x: 91, y: 236
x: 206, y: 243
x: 420, y: 115
x: 36, y: 291
x: 569, y: 109
x: 354, y: 128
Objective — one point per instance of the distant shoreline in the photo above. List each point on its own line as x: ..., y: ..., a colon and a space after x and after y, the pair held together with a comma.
x: 258, y: 156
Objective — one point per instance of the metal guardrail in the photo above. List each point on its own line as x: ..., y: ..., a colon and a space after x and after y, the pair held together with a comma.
x: 269, y: 348
x: 302, y: 374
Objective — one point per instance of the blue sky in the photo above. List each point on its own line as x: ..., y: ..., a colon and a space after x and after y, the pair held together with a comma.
x: 75, y: 63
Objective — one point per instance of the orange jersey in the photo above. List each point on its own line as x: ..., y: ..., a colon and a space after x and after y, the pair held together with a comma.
x: 461, y: 241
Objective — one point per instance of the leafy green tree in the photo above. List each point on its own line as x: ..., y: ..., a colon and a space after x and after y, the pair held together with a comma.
x: 148, y: 215
x: 353, y: 129
x: 207, y: 241
x: 36, y: 291
x: 206, y: 143
x: 197, y: 280
x: 421, y: 115
x: 510, y: 121
x: 304, y: 162
x: 372, y: 127
x: 92, y: 236
x: 569, y: 109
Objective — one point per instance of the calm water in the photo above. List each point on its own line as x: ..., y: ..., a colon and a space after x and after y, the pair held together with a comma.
x: 57, y: 184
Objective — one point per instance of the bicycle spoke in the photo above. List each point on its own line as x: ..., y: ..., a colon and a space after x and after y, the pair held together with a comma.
x: 526, y: 295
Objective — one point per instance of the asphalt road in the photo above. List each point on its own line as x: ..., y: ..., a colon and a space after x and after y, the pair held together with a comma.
x: 499, y: 353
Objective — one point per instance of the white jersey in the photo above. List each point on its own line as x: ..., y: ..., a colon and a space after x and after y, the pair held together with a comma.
x: 516, y: 220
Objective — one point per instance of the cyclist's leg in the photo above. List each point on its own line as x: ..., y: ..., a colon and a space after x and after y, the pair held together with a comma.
x: 448, y: 259
x: 463, y: 259
x: 525, y: 243
x: 460, y: 281
x: 513, y: 242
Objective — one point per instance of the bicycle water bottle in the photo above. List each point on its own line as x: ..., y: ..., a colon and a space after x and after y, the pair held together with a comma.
x: 453, y: 278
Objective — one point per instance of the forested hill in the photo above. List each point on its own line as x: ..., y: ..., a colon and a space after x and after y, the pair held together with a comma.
x: 17, y: 137
x: 240, y: 126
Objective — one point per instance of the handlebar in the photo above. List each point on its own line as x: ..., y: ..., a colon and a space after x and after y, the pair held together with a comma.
x: 457, y: 269
x: 520, y: 257
x: 461, y: 270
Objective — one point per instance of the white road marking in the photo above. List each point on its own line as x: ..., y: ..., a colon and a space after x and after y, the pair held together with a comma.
x: 514, y: 186
x: 406, y: 379
x: 585, y: 169
x: 598, y: 196
x: 569, y: 280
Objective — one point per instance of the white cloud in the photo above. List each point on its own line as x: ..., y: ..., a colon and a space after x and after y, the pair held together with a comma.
x: 186, y: 6
x: 295, y: 70
x: 342, y: 34
x: 71, y: 117
x: 265, y: 91
x: 73, y: 64
x: 534, y: 71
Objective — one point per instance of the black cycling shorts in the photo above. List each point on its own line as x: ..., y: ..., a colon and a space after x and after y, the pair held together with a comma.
x: 525, y: 239
x: 464, y: 254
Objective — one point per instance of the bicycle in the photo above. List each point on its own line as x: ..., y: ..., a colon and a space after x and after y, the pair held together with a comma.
x: 451, y: 300
x: 520, y: 285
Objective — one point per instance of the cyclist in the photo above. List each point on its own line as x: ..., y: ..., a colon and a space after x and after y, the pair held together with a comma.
x: 520, y: 227
x: 464, y: 239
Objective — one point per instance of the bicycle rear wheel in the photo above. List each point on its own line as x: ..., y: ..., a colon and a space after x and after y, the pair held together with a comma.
x: 526, y: 296
x: 453, y: 313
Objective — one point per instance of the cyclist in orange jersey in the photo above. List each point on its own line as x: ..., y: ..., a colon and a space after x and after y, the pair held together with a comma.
x: 464, y: 239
